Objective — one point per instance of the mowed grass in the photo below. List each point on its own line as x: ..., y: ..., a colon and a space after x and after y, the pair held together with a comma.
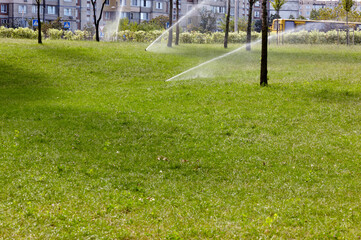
x: 94, y: 144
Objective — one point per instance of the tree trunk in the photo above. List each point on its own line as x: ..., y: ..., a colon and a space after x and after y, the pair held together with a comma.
x: 236, y: 6
x: 278, y: 25
x: 95, y: 22
x: 170, y: 36
x: 249, y: 25
x: 39, y: 24
x: 177, y: 29
x: 347, y: 30
x: 263, y: 77
x: 43, y: 11
x: 227, y: 24
x: 97, y: 33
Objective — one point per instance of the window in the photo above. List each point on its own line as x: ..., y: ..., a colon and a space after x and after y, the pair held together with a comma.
x: 159, y: 5
x: 87, y: 19
x: 67, y: 11
x: 123, y: 2
x: 222, y: 9
x: 51, y: 9
x: 67, y: 0
x: 256, y: 4
x: 4, y: 8
x: 189, y: 8
x: 145, y: 3
x: 134, y: 3
x: 256, y: 14
x: 34, y: 9
x: 144, y: 16
x: 88, y: 5
x: 189, y: 20
x: 4, y: 21
x: 107, y: 2
x: 107, y: 15
x: 131, y: 16
x: 22, y: 8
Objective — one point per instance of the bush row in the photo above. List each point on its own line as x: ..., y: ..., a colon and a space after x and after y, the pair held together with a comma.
x: 316, y: 37
x: 186, y: 37
x: 52, y: 34
x: 302, y: 37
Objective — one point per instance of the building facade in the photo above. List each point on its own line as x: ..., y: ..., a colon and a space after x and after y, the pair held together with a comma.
x: 79, y: 13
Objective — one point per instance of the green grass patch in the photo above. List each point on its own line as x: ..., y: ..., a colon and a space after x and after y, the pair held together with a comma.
x: 94, y: 144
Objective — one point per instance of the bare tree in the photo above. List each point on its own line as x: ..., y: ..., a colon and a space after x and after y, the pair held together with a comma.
x: 347, y: 5
x: 249, y: 24
x: 170, y: 36
x: 177, y: 29
x: 227, y: 24
x: 38, y: 3
x: 277, y: 5
x: 97, y: 21
x: 263, y: 77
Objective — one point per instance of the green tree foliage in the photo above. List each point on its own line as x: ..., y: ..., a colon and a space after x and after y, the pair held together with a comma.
x: 56, y: 24
x: 160, y: 21
x: 277, y: 5
x: 242, y: 24
x: 125, y: 24
x: 338, y: 13
x: 314, y: 14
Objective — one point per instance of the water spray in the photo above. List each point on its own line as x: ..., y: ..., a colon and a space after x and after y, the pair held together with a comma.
x: 223, y: 56
x: 174, y: 25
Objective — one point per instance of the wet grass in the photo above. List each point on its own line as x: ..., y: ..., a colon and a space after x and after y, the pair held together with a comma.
x: 94, y: 144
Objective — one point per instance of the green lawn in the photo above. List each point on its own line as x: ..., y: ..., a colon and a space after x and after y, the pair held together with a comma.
x: 94, y: 144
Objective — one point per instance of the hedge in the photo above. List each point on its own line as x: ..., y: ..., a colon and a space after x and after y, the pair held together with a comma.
x: 302, y: 37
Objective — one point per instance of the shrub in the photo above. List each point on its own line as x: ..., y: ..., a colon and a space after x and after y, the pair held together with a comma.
x: 217, y: 37
x: 54, y: 34
x: 23, y: 33
x: 6, y: 32
x: 185, y: 37
x: 68, y: 35
x: 81, y: 35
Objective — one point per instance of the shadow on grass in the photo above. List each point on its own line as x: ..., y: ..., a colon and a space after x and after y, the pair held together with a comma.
x: 308, y: 55
x: 19, y: 84
x: 321, y: 91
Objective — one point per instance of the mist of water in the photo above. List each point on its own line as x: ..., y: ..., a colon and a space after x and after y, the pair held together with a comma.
x: 112, y: 28
x: 174, y: 25
x: 228, y: 54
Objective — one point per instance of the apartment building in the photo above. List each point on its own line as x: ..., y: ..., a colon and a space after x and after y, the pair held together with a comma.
x: 145, y: 10
x: 135, y: 10
x: 306, y: 6
x: 18, y: 13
